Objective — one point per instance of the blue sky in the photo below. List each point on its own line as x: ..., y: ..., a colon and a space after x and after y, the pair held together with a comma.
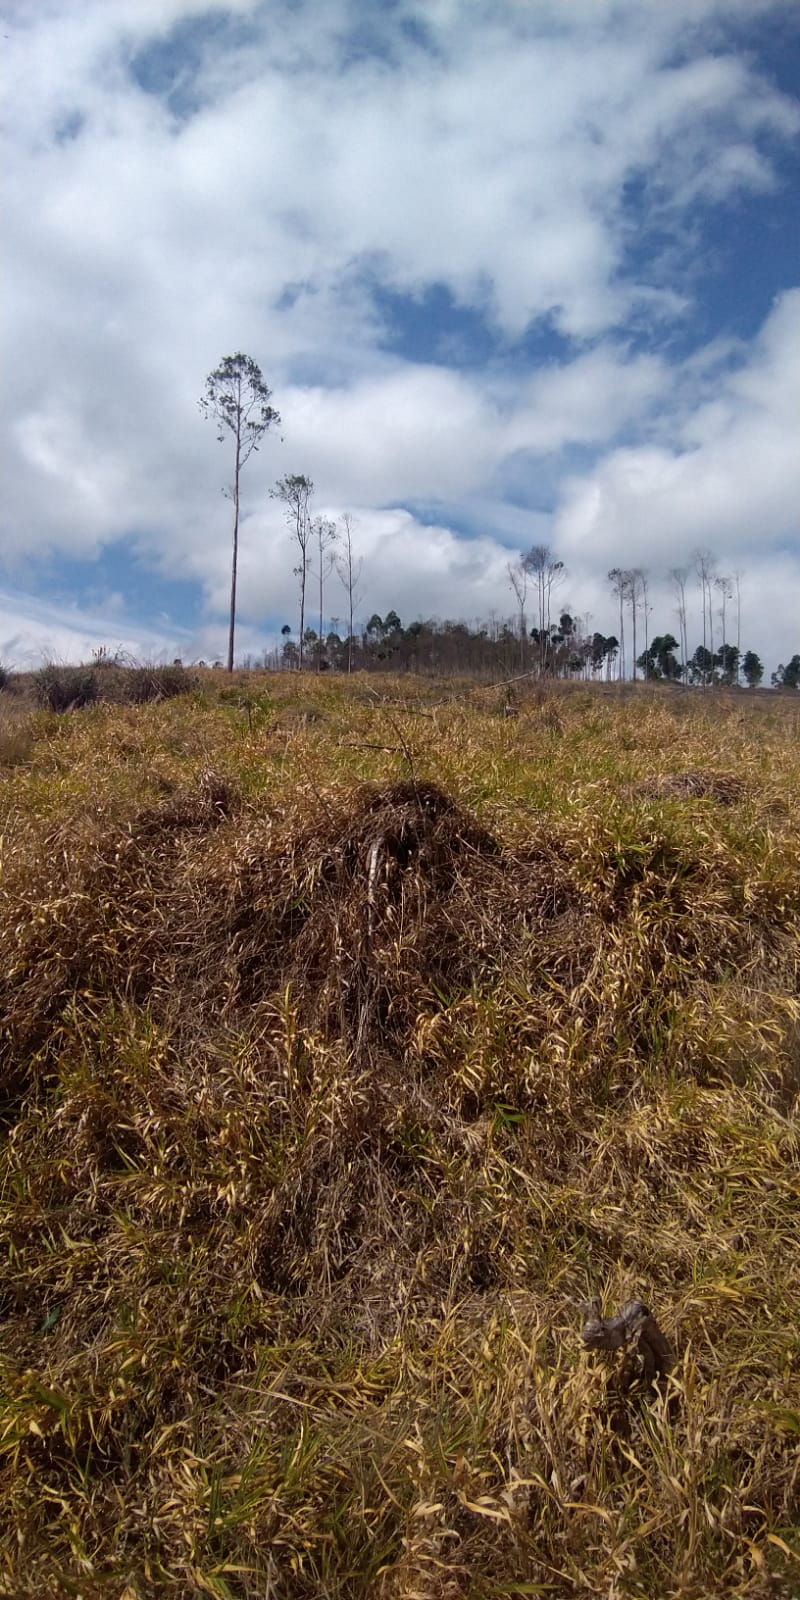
x: 515, y: 273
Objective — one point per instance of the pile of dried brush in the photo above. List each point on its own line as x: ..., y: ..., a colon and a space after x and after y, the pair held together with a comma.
x: 383, y: 910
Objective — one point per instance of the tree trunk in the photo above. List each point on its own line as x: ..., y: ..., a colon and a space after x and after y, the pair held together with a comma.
x: 235, y: 558
x: 319, y: 647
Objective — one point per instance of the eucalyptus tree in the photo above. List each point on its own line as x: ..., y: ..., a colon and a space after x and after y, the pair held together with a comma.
x: 635, y: 584
x: 704, y: 567
x: 349, y: 569
x: 295, y: 491
x: 618, y: 579
x: 678, y: 578
x: 753, y: 669
x: 518, y: 579
x: 326, y: 534
x: 726, y: 658
x: 548, y: 573
x: 658, y: 660
x: 787, y: 677
x: 237, y: 399
x: 725, y: 589
x: 644, y: 583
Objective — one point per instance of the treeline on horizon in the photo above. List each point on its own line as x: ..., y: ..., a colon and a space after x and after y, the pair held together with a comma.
x: 558, y: 644
x: 565, y: 650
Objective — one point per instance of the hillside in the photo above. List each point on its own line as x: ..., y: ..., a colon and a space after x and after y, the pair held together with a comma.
x: 351, y: 1041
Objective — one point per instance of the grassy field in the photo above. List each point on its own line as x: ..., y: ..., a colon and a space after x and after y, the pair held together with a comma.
x: 352, y: 1038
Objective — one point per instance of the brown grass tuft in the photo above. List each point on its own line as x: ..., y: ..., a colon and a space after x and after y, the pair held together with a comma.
x: 725, y: 787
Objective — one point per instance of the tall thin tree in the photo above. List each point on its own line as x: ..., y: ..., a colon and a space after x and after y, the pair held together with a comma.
x: 704, y: 567
x: 349, y: 569
x: 633, y: 589
x: 678, y: 576
x: 724, y: 587
x: 619, y: 587
x: 237, y: 399
x: 295, y: 491
x: 737, y: 578
x: 518, y: 579
x: 326, y: 534
x: 548, y: 574
x: 644, y: 582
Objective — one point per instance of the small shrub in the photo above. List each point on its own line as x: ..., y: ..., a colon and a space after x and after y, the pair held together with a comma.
x: 4, y: 676
x: 65, y: 688
x: 142, y: 684
x: 16, y: 744
x: 103, y: 657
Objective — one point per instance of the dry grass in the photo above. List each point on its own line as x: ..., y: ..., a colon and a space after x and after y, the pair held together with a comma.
x: 347, y: 1046
x: 726, y: 787
x: 64, y: 688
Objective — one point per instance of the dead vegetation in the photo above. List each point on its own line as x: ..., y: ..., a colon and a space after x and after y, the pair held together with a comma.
x: 329, y: 1100
x: 724, y: 787
x: 57, y: 687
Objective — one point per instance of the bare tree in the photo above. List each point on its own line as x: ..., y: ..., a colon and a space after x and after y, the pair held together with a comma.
x: 724, y: 587
x: 644, y: 583
x: 548, y: 574
x: 295, y: 491
x: 737, y: 578
x: 237, y: 399
x: 326, y: 534
x: 518, y: 578
x: 349, y: 571
x: 536, y: 563
x: 632, y: 579
x: 618, y: 579
x: 554, y: 577
x: 704, y: 567
x: 679, y: 576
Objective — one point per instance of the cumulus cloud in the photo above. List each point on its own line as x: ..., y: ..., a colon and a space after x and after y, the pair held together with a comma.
x: 181, y: 182
x: 730, y: 477
x: 414, y: 568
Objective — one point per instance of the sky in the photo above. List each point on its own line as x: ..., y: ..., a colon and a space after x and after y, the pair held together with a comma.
x: 515, y: 271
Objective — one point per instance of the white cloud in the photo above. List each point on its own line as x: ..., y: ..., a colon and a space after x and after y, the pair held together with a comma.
x: 414, y: 568
x: 588, y: 400
x: 296, y: 169
x: 32, y: 632
x: 412, y: 432
x: 730, y: 478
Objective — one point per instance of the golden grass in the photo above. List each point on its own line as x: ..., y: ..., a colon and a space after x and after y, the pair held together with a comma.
x: 349, y: 1041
